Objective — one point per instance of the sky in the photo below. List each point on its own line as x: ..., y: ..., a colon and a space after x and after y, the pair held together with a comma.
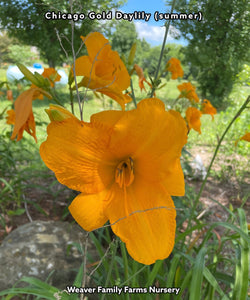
x: 152, y: 30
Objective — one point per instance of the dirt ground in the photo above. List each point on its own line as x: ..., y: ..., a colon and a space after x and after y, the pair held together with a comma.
x: 228, y: 190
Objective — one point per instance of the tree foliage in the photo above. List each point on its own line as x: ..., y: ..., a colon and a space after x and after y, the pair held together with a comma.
x: 122, y: 35
x: 5, y: 43
x: 25, y: 21
x: 218, y: 45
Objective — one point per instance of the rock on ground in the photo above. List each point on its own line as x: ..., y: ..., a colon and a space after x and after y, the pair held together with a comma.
x: 40, y: 248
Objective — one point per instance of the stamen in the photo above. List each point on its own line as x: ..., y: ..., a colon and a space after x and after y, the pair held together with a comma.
x: 124, y: 174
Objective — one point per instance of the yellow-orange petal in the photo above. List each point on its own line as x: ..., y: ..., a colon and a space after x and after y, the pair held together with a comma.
x: 246, y: 137
x: 30, y: 127
x: 83, y: 67
x: 193, y: 118
x: 174, y: 66
x: 102, y: 62
x: 188, y: 91
x: 207, y: 108
x: 111, y: 90
x: 141, y: 76
x: 87, y: 210
x: 108, y: 117
x: 10, y: 119
x: 143, y: 216
x: 23, y: 110
x: 77, y: 153
x: 154, y: 139
x: 52, y: 75
x: 95, y: 43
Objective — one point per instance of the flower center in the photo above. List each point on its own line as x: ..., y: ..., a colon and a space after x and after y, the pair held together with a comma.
x: 124, y: 174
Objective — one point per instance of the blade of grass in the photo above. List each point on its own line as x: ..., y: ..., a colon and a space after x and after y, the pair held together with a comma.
x: 244, y: 258
x: 172, y: 272
x: 39, y: 284
x: 209, y: 277
x: 109, y: 277
x: 197, y: 276
x: 185, y: 283
x: 213, y: 282
x: 99, y: 249
x: 125, y: 261
x: 154, y: 272
x: 30, y: 291
x: 181, y: 236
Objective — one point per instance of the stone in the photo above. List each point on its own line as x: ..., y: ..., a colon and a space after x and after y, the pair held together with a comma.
x: 42, y: 249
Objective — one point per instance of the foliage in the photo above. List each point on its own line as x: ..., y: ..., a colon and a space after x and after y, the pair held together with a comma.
x: 5, y: 43
x: 218, y: 45
x: 25, y: 21
x: 123, y: 37
x: 20, y: 54
x: 244, y: 76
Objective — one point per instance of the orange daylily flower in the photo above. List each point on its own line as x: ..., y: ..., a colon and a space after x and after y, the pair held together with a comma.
x: 103, y: 70
x: 193, y: 118
x: 174, y: 66
x: 52, y: 75
x: 207, y: 108
x: 24, y: 118
x: 126, y: 164
x: 245, y: 137
x: 139, y: 72
x: 188, y: 91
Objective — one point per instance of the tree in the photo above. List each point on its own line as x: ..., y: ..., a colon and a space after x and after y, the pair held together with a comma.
x: 20, y: 54
x: 5, y: 42
x: 123, y: 37
x: 25, y: 21
x: 218, y: 45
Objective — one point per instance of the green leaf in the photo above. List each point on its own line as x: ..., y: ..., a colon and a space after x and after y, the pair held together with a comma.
x: 29, y: 75
x: 242, y: 267
x: 30, y: 291
x: 185, y: 283
x: 132, y: 54
x: 172, y: 271
x: 154, y: 272
x: 197, y: 276
x: 17, y: 212
x: 79, y: 276
x: 40, y: 284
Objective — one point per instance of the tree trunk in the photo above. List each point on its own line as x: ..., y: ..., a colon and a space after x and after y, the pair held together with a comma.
x: 51, y: 63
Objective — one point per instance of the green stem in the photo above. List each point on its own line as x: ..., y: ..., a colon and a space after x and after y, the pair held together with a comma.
x: 214, y: 156
x: 71, y: 100
x: 52, y: 92
x: 133, y: 93
x: 167, y: 24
